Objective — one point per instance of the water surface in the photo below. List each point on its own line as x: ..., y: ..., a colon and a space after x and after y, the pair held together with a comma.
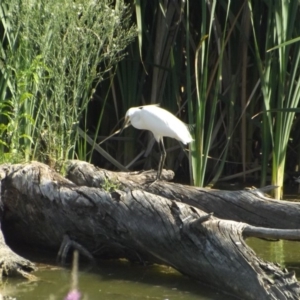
x: 121, y: 280
x: 111, y: 280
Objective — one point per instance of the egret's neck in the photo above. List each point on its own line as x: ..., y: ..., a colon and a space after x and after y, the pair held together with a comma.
x: 136, y: 121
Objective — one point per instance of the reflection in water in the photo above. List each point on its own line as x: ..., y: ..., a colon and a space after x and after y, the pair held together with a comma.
x: 286, y: 253
x: 112, y: 280
x: 121, y: 280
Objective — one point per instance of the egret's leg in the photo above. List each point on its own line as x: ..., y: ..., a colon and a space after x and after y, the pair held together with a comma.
x: 162, y: 158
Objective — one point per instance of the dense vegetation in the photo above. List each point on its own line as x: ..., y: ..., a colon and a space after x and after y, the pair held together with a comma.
x: 229, y: 67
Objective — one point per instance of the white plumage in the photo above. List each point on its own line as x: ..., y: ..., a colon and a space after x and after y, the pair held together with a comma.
x: 161, y: 123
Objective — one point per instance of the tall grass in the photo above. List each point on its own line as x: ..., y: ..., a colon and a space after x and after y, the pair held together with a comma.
x: 213, y: 80
x: 144, y: 77
x: 62, y: 51
x: 201, y: 57
x: 280, y: 84
x: 205, y: 61
x: 202, y: 73
x: 203, y: 66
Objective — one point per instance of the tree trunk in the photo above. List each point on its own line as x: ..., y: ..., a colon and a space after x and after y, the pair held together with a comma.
x: 43, y: 206
x: 251, y: 206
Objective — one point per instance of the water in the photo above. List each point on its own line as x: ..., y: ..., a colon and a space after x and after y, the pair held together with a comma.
x: 111, y: 280
x: 286, y: 253
x: 121, y: 280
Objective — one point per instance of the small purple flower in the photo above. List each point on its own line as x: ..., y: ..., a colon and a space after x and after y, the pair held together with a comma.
x: 73, y: 295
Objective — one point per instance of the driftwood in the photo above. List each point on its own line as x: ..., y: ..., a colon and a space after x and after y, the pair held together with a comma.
x: 135, y: 222
x: 249, y: 206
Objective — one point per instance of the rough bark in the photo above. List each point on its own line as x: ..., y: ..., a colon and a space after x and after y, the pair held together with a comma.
x: 249, y: 206
x: 43, y: 206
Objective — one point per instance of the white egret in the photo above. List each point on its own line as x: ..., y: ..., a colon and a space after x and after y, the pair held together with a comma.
x: 161, y: 123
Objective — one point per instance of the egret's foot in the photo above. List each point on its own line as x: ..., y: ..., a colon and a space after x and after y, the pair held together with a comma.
x: 65, y: 246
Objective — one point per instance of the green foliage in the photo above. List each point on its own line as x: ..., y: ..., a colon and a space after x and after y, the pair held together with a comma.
x: 56, y: 53
x: 109, y: 185
x: 150, y: 74
x: 203, y: 77
x: 208, y: 61
x: 214, y: 64
x: 279, y: 73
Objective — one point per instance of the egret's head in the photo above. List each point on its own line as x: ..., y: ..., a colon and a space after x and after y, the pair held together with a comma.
x: 127, y: 120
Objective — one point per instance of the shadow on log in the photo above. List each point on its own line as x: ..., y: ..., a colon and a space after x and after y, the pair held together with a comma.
x: 135, y: 222
x: 12, y: 264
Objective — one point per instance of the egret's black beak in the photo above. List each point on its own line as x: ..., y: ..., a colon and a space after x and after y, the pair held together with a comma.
x: 125, y: 124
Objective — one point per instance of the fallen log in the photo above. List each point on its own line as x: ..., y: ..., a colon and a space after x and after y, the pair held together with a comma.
x: 12, y: 264
x: 251, y: 206
x: 41, y: 207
